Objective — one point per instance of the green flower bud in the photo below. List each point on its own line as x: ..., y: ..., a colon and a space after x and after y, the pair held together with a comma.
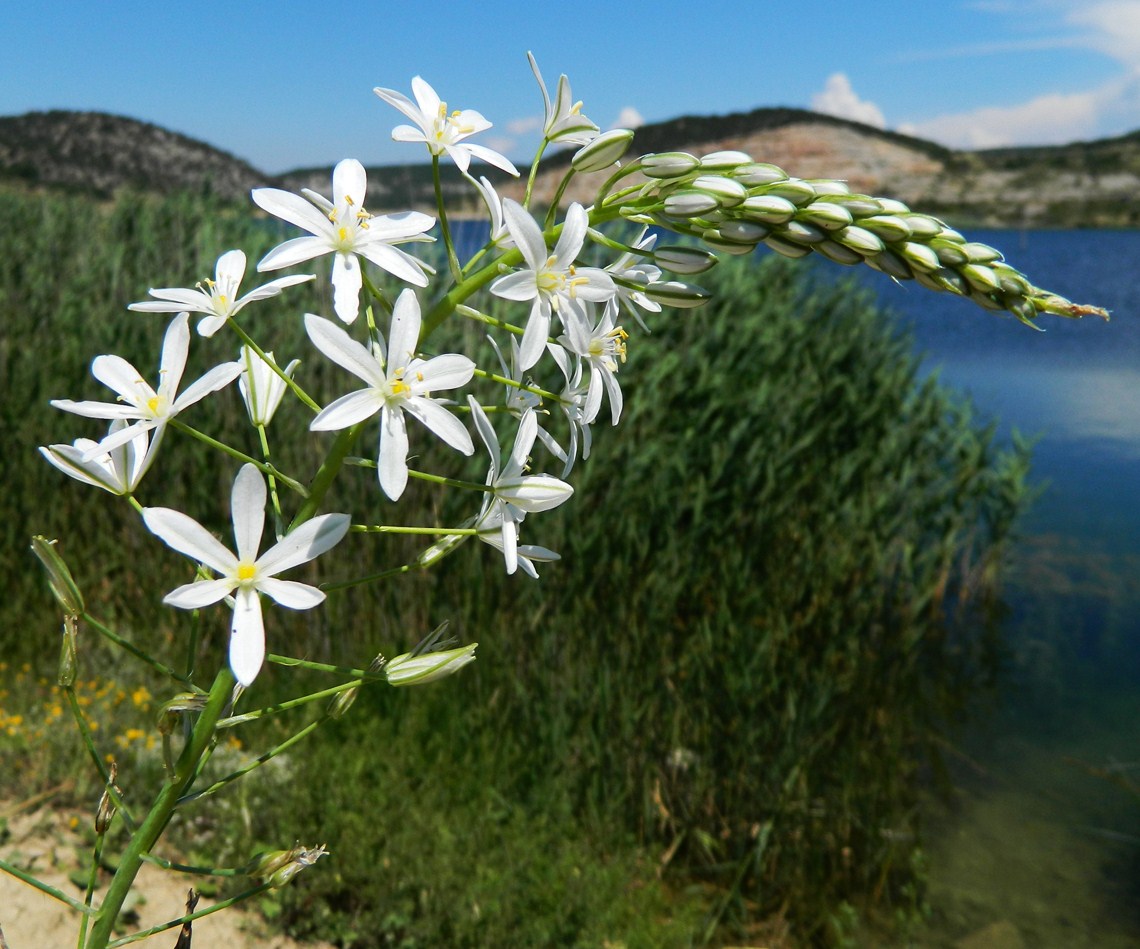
x: 859, y: 205
x: 891, y: 264
x: 725, y: 160
x: 677, y: 293
x: 981, y: 278
x: 603, y: 151
x: 68, y: 654
x: 668, y: 164
x: 342, y: 701
x: 743, y: 232
x: 892, y: 206
x: 838, y: 253
x: 715, y: 240
x: 922, y: 226
x: 105, y: 813
x: 859, y: 240
x: 767, y: 209
x: 684, y: 260
x: 729, y: 193
x: 278, y: 867
x: 786, y: 248
x: 919, y: 256
x: 181, y: 704
x: 825, y: 214
x: 690, y: 203
x: 800, y: 232
x: 796, y: 190
x: 758, y: 173
x: 981, y: 253
x: 63, y: 585
x: 890, y: 227
x: 829, y: 187
x: 413, y: 669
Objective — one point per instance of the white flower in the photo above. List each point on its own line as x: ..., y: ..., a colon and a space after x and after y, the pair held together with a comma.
x: 572, y: 402
x: 602, y: 348
x: 440, y: 130
x: 245, y: 574
x: 401, y: 386
x: 343, y: 228
x: 632, y: 273
x: 500, y: 236
x: 137, y: 400
x: 218, y: 299
x: 518, y: 400
x: 118, y: 471
x: 514, y: 494
x: 261, y: 388
x: 564, y: 121
x: 550, y: 280
x: 490, y: 530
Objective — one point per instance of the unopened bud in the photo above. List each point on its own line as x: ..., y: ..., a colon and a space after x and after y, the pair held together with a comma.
x: 668, y: 164
x: 690, y: 203
x: 829, y: 187
x: 834, y: 251
x: 922, y: 226
x: 105, y: 813
x: 603, y: 151
x: 684, y: 260
x: 981, y: 253
x: 758, y: 173
x: 278, y: 867
x: 178, y: 706
x: 919, y: 256
x: 981, y: 278
x: 725, y: 160
x: 68, y: 654
x: 342, y: 701
x: 768, y: 209
x: 728, y: 191
x: 413, y: 669
x: 890, y: 227
x: 785, y: 247
x: 796, y: 190
x: 829, y: 216
x: 677, y: 293
x: 63, y: 585
x: 859, y: 240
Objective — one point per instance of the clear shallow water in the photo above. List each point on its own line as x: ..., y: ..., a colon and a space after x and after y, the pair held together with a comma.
x: 1037, y: 842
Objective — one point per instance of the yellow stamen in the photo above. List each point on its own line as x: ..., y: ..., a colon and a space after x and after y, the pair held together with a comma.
x: 246, y: 571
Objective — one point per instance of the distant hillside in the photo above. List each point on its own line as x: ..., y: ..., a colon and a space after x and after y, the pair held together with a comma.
x: 1090, y: 184
x: 99, y: 153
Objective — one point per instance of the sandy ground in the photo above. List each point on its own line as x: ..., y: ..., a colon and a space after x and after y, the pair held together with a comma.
x: 42, y: 842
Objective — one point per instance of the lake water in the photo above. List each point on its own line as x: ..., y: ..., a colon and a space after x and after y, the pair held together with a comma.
x: 1040, y: 843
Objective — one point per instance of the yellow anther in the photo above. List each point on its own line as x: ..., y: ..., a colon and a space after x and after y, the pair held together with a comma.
x: 246, y: 571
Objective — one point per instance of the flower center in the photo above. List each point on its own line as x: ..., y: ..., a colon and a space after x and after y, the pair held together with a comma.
x: 246, y: 572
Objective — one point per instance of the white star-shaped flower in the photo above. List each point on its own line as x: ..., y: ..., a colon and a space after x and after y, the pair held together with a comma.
x: 151, y: 408
x: 513, y: 494
x: 442, y: 131
x: 261, y: 388
x: 564, y: 121
x: 551, y: 280
x: 218, y: 299
x: 343, y: 228
x: 245, y: 574
x: 396, y: 386
x: 119, y: 470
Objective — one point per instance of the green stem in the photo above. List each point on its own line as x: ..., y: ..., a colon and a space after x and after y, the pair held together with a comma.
x: 533, y: 172
x: 25, y: 877
x: 181, y: 920
x: 557, y: 199
x: 296, y: 389
x: 391, y: 529
x: 240, y: 456
x: 293, y: 703
x: 327, y: 473
x: 96, y: 758
x: 452, y: 257
x: 257, y: 762
x: 137, y: 652
x: 162, y: 809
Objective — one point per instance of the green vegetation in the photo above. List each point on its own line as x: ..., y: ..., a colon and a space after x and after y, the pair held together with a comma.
x: 774, y: 599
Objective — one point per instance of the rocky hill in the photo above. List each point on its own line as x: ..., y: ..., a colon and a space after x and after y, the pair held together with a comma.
x: 1081, y: 184
x: 98, y: 153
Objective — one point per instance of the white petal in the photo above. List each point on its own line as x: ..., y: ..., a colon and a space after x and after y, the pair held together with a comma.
x: 448, y: 371
x: 347, y: 410
x: 346, y: 281
x: 295, y: 251
x: 520, y: 285
x: 393, y: 460
x: 404, y: 335
x: 187, y: 536
x: 193, y: 596
x: 174, y: 299
x: 291, y: 594
x: 247, y: 637
x: 440, y: 421
x: 292, y: 208
x: 345, y: 351
x: 217, y: 378
x: 303, y: 544
x: 526, y: 234
x: 247, y: 510
x: 487, y: 433
x: 535, y: 336
x: 394, y: 260
x: 96, y: 409
x: 350, y: 181
x: 492, y: 158
x: 120, y: 376
x: 573, y: 234
x: 175, y: 347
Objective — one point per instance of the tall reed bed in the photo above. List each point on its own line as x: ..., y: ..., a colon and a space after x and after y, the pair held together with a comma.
x: 778, y: 603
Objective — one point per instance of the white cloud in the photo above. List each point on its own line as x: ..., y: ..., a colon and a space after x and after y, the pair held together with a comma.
x: 839, y: 99
x: 521, y: 126
x: 628, y: 118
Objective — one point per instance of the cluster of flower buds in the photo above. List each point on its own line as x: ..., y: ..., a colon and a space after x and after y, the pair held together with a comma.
x: 735, y: 204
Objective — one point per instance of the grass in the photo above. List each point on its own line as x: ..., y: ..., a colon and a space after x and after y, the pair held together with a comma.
x: 775, y: 598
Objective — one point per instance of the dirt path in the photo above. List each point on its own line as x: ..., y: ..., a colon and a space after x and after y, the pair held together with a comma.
x: 44, y: 843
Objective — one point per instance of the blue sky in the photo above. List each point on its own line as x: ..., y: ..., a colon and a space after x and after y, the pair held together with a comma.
x: 289, y: 84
